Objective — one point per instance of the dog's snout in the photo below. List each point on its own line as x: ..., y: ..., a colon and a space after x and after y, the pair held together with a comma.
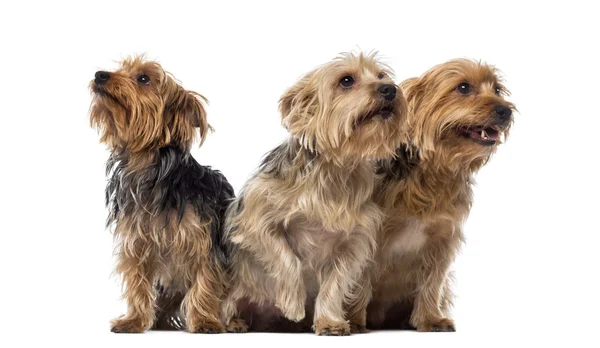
x: 502, y: 113
x: 387, y: 91
x: 102, y: 77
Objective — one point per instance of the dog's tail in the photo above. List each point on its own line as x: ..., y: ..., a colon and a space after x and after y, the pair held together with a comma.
x: 168, y: 312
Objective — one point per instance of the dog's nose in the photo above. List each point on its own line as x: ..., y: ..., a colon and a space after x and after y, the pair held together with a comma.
x: 387, y: 91
x: 101, y: 77
x: 502, y: 113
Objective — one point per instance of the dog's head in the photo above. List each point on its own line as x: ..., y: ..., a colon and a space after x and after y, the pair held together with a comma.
x: 141, y: 107
x: 457, y: 112
x: 346, y: 110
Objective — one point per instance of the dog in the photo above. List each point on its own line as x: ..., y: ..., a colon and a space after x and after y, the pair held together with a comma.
x: 457, y: 118
x: 303, y: 227
x: 166, y: 209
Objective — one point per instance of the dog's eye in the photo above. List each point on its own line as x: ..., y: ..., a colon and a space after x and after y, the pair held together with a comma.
x: 381, y: 75
x: 497, y: 90
x: 347, y: 81
x: 143, y: 78
x: 464, y: 88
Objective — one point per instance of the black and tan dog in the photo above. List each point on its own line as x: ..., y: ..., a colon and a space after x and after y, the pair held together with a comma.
x: 166, y: 209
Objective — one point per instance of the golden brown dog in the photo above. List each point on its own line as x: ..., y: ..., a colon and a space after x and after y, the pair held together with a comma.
x: 166, y: 209
x: 457, y: 117
x: 303, y: 228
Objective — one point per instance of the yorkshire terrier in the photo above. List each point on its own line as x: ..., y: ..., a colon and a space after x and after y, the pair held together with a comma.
x: 457, y: 117
x: 303, y: 228
x: 166, y: 209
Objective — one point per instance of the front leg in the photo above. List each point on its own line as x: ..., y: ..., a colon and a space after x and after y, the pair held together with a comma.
x: 202, y: 301
x: 138, y: 278
x: 280, y: 262
x: 429, y: 308
x: 336, y: 279
x: 291, y: 292
x: 356, y: 312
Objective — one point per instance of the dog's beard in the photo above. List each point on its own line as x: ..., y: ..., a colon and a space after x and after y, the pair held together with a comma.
x: 102, y: 96
x: 383, y: 110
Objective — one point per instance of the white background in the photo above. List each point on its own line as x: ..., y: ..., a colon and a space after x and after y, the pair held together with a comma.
x: 528, y: 274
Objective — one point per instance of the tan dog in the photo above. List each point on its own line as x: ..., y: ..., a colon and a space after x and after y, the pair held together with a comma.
x: 457, y: 117
x: 166, y: 209
x: 304, y: 225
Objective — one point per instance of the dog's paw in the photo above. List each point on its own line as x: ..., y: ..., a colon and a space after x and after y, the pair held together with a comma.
x: 295, y: 314
x: 440, y: 325
x: 237, y: 325
x: 207, y: 327
x: 324, y: 327
x: 128, y: 325
x: 358, y: 328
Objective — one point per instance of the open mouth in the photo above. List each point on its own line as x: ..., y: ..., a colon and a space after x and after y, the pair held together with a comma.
x: 385, y: 112
x: 481, y: 134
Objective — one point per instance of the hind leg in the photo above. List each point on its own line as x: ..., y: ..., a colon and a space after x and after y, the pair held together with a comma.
x: 237, y: 325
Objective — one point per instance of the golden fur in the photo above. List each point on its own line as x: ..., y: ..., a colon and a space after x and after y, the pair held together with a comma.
x: 153, y: 117
x: 427, y: 201
x: 303, y: 228
x: 164, y: 240
x: 176, y: 256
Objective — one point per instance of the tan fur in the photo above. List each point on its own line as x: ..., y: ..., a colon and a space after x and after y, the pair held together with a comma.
x: 325, y: 328
x: 304, y: 226
x: 161, y: 114
x: 426, y: 209
x: 178, y: 256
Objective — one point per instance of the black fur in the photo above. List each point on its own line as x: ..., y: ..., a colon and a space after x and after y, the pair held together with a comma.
x: 399, y: 166
x: 277, y: 161
x: 168, y: 315
x: 170, y: 182
x: 280, y: 161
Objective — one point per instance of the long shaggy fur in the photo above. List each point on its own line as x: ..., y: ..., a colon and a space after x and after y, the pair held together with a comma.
x: 172, y: 183
x: 165, y: 208
x: 426, y: 192
x: 303, y: 228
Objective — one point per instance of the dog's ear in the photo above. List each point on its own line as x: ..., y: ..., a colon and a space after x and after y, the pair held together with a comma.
x: 184, y: 112
x: 420, y: 94
x: 195, y: 111
x: 288, y: 101
x: 295, y: 101
x: 298, y: 106
x: 410, y: 88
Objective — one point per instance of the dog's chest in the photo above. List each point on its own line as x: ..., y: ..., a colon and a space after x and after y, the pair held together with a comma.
x: 407, y: 238
x: 312, y: 240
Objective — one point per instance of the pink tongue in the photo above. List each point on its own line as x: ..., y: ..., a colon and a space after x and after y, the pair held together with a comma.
x: 491, y: 134
x: 475, y: 134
